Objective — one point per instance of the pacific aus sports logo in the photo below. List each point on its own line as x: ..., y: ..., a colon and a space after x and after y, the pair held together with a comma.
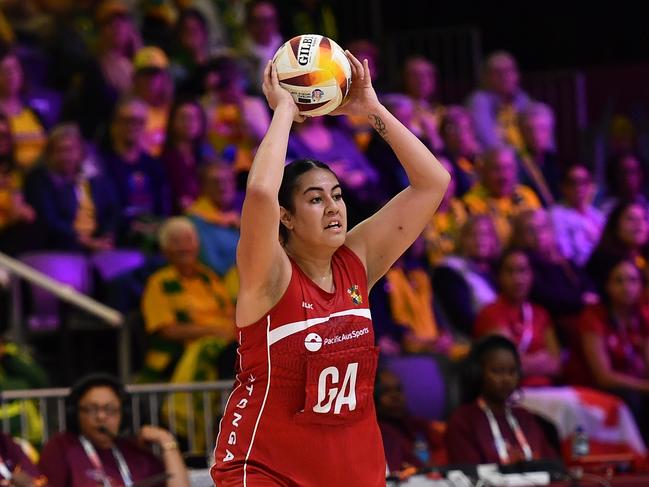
x: 313, y: 342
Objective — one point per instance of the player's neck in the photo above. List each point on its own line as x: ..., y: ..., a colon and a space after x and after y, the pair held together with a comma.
x: 316, y: 266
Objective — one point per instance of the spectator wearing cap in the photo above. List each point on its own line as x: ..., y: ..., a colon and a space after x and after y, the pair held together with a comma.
x: 108, y: 74
x: 153, y: 84
x: 262, y: 39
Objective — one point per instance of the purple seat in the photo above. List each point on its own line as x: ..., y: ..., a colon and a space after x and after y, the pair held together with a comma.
x: 424, y: 384
x: 69, y: 269
x: 111, y: 263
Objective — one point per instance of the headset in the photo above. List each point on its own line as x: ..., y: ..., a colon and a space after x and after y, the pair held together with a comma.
x: 86, y: 383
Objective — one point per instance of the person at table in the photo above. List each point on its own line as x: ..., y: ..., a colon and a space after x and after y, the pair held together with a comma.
x: 93, y: 451
x: 490, y: 427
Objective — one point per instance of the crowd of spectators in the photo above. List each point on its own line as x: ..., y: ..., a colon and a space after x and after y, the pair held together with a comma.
x: 134, y: 128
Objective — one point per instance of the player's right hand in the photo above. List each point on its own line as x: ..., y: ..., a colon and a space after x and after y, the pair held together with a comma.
x: 276, y: 95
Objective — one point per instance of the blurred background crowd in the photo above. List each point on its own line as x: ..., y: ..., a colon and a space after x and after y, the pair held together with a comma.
x: 126, y: 133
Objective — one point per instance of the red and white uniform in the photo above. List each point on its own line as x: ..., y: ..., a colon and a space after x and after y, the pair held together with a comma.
x: 302, y: 410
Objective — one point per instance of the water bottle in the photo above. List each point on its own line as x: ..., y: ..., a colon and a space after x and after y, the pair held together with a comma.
x: 580, y: 443
x: 420, y: 449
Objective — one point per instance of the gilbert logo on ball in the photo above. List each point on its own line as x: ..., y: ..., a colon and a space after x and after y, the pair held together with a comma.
x: 315, y: 71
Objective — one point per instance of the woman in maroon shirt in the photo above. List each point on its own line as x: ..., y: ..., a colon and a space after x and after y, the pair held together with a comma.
x: 489, y: 428
x: 92, y: 452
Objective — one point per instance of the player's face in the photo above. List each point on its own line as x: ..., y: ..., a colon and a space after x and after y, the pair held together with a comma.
x: 320, y: 214
x: 100, y: 408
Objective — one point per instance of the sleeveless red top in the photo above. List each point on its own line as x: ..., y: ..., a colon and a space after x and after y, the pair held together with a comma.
x: 302, y: 410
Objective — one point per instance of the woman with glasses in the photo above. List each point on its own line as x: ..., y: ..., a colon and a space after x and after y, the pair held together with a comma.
x: 94, y: 451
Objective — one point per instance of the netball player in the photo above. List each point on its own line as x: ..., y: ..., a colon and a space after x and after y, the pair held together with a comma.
x: 301, y: 412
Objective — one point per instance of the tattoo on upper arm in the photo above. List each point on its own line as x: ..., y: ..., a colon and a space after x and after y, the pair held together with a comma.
x: 379, y: 125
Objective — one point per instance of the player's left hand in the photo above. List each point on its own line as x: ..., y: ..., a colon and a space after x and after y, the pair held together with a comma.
x: 361, y: 99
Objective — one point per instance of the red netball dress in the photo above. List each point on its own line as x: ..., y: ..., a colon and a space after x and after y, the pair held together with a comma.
x: 302, y: 410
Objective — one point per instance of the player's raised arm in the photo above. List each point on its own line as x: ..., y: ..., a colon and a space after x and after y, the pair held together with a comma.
x: 259, y: 253
x: 383, y: 237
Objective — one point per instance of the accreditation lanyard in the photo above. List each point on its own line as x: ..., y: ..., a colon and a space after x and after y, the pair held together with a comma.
x: 4, y: 470
x: 96, y: 462
x: 528, y: 328
x: 501, y: 446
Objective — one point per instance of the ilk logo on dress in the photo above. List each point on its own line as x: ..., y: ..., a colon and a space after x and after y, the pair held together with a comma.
x: 355, y: 294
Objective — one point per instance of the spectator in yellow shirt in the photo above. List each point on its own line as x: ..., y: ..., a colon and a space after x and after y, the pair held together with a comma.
x: 15, y: 214
x: 498, y: 193
x: 28, y: 132
x: 186, y: 308
x: 152, y: 83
